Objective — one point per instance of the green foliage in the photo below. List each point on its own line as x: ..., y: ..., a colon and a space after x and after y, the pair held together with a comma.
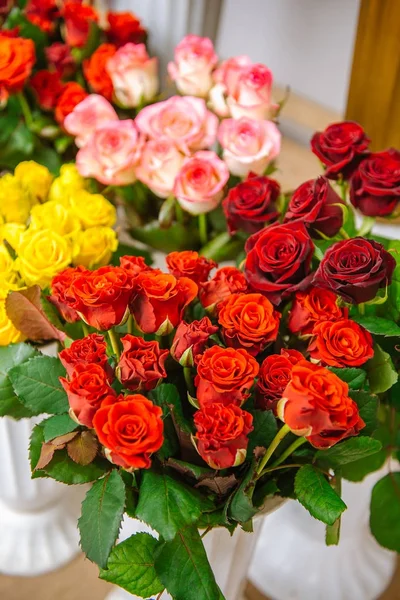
x: 176, y: 237
x: 377, y: 325
x: 385, y: 511
x: 348, y: 451
x: 381, y: 372
x: 58, y: 425
x: 62, y: 468
x: 357, y: 470
x: 241, y: 506
x: 19, y: 146
x: 264, y: 431
x: 12, y: 356
x: 368, y: 408
x: 317, y: 496
x: 355, y: 378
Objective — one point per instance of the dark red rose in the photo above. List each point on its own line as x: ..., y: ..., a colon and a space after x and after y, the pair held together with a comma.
x: 60, y: 58
x: 275, y: 373
x: 61, y: 296
x: 124, y: 28
x: 221, y: 438
x: 190, y: 264
x: 278, y: 260
x: 226, y: 281
x: 47, y: 87
x: 191, y: 339
x: 252, y: 204
x: 72, y: 94
x: 340, y: 148
x: 318, y: 206
x: 375, y: 186
x: 141, y: 366
x: 78, y: 18
x: 90, y: 350
x: 355, y: 269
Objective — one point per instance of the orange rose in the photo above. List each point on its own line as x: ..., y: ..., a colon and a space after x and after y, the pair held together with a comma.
x: 316, y: 404
x: 133, y: 264
x: 313, y: 306
x: 341, y: 343
x: 78, y: 19
x: 17, y: 57
x: 225, y: 282
x: 72, y: 95
x: 248, y: 321
x: 94, y: 69
x: 275, y: 374
x: 190, y: 264
x: 225, y: 375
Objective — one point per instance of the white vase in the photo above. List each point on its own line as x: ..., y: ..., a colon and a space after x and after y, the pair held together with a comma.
x: 292, y: 562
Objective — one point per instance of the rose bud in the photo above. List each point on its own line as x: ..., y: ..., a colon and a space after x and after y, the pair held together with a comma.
x: 90, y: 350
x: 87, y: 116
x: 195, y: 60
x: 59, y: 57
x: 60, y: 295
x: 225, y: 282
x: 47, y: 87
x: 340, y: 148
x: 318, y: 206
x: 316, y: 404
x: 251, y: 204
x: 275, y: 374
x: 221, y: 435
x: 88, y: 387
x: 278, y: 260
x: 190, y: 340
x: 248, y: 321
x: 160, y: 301
x: 225, y: 375
x: 95, y: 71
x: 375, y: 186
x: 190, y: 264
x: 341, y: 343
x: 141, y: 366
x: 355, y: 269
x: 131, y: 430
x: 311, y: 307
x: 124, y: 27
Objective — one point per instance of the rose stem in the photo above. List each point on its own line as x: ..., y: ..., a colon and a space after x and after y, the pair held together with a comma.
x: 333, y: 531
x: 344, y: 234
x: 203, y: 229
x: 114, y: 343
x: 361, y: 308
x: 272, y: 447
x: 107, y: 190
x: 85, y: 329
x: 188, y: 379
x: 296, y: 444
x: 130, y: 324
x: 179, y: 213
x: 25, y: 109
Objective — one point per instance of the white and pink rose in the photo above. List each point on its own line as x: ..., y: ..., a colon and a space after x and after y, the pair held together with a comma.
x: 89, y: 114
x: 159, y: 165
x: 194, y: 61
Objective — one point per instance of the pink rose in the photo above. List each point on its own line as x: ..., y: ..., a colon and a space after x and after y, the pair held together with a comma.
x: 183, y: 120
x: 87, y: 116
x: 159, y: 165
x: 195, y: 59
x: 199, y: 186
x: 133, y: 74
x: 111, y: 154
x: 248, y: 145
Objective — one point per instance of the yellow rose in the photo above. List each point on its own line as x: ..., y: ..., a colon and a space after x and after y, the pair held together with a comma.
x: 15, y: 202
x: 41, y: 255
x: 93, y: 209
x: 12, y: 233
x: 35, y: 178
x: 66, y: 184
x: 9, y: 279
x: 8, y: 333
x: 95, y: 247
x: 55, y: 216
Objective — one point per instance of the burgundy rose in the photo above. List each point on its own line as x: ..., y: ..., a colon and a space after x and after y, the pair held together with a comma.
x: 141, y: 365
x: 252, y: 204
x: 278, y: 260
x: 340, y: 148
x: 375, y: 186
x: 355, y: 269
x: 318, y: 206
x: 191, y: 339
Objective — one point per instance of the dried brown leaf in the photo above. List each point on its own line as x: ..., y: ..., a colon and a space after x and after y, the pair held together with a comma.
x: 83, y: 448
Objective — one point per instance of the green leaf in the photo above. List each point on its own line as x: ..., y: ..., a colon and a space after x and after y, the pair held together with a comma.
x: 355, y: 378
x: 183, y: 568
x: 348, y: 451
x: 19, y: 147
x: 11, y: 356
x: 316, y: 495
x: 176, y: 237
x: 264, y: 431
x: 167, y: 505
x: 37, y: 384
x: 58, y: 425
x: 368, y: 405
x: 48, y: 157
x: 357, y: 470
x: 167, y: 397
x: 241, y: 507
x: 381, y: 372
x: 131, y: 566
x: 63, y: 469
x: 35, y: 445
x: 102, y: 512
x: 186, y: 468
x: 378, y: 326
x: 385, y: 511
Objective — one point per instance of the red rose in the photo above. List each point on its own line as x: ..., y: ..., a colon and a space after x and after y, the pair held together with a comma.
x: 43, y: 14
x: 17, y: 60
x: 248, y: 321
x: 341, y: 343
x: 47, y: 87
x: 191, y: 339
x: 78, y: 19
x: 275, y: 374
x: 226, y: 281
x: 375, y: 186
x: 95, y: 71
x: 313, y: 306
x: 355, y: 269
x: 71, y: 95
x: 340, y: 148
x: 61, y: 296
x: 60, y: 59
x: 90, y: 350
x: 225, y: 375
x: 316, y: 404
x: 141, y: 366
x: 124, y: 28
x: 160, y: 301
x: 318, y: 206
x: 252, y: 204
x: 190, y: 264
x: 134, y: 265
x: 278, y: 260
x: 131, y: 430
x: 86, y: 390
x: 221, y: 436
